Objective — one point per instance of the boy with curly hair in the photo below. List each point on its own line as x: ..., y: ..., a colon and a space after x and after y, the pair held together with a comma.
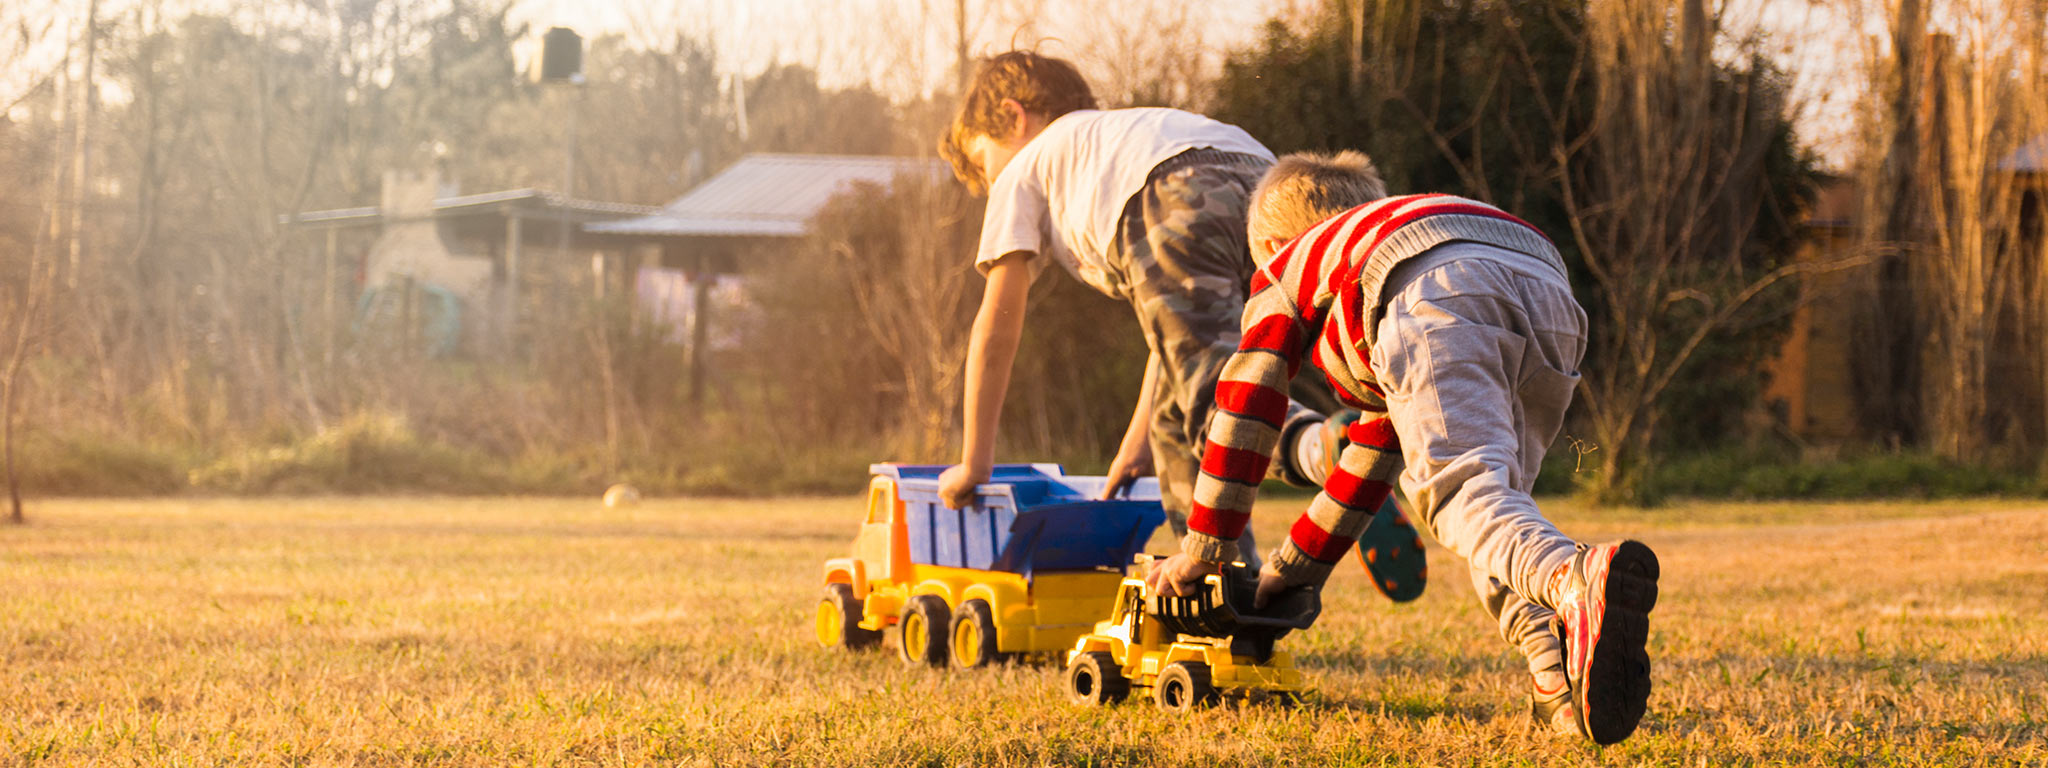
x: 1145, y: 205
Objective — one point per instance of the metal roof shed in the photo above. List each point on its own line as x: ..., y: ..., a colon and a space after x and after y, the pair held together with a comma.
x: 762, y: 198
x: 765, y: 196
x: 496, y: 225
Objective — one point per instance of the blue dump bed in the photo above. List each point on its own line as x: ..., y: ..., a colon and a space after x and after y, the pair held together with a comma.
x: 1028, y: 517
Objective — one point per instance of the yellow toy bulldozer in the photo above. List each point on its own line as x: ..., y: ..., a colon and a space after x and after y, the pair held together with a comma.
x: 1189, y: 652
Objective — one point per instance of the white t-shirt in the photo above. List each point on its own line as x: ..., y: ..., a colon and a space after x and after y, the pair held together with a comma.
x: 1062, y: 195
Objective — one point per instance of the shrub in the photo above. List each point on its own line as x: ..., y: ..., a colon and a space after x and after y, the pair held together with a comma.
x: 365, y: 453
x: 1773, y: 474
x: 97, y: 465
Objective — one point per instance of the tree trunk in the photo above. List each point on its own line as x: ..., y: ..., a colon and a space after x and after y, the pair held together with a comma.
x: 9, y: 386
x: 81, y: 148
x: 34, y: 294
x: 1892, y: 406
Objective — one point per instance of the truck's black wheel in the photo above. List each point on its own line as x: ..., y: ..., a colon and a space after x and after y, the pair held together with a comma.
x: 1095, y: 678
x: 839, y: 615
x: 1184, y: 686
x: 974, y: 635
x: 924, y: 625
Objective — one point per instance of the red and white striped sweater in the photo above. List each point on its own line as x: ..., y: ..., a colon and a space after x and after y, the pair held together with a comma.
x: 1326, y: 304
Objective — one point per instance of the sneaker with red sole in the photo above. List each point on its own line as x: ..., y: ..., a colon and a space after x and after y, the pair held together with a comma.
x: 1603, y: 612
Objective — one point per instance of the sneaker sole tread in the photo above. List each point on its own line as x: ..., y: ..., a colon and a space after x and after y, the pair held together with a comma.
x: 1618, y: 677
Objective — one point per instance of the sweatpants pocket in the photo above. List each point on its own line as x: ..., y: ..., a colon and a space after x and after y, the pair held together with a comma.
x: 1471, y: 389
x: 1545, y: 393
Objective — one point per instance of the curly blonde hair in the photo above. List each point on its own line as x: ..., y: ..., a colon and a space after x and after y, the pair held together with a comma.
x: 1042, y: 84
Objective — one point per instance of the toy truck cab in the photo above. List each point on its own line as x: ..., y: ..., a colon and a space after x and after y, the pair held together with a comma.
x: 1026, y: 568
x: 1189, y: 652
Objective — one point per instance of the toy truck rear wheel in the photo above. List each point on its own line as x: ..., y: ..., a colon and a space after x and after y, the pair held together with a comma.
x: 1184, y: 686
x: 839, y: 620
x: 925, y: 623
x: 1095, y: 678
x: 974, y: 635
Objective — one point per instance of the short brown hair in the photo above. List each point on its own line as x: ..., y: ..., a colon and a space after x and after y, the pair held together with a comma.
x: 1044, y: 85
x: 1304, y: 188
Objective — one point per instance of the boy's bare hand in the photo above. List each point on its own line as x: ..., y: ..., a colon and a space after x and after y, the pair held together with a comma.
x: 1126, y: 469
x: 1179, y: 575
x: 956, y: 485
x: 1271, y: 584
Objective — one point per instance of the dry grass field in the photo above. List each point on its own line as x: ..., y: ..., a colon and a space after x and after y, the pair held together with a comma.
x: 556, y: 632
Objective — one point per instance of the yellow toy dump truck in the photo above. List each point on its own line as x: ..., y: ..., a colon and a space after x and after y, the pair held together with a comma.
x: 1026, y: 568
x: 1191, y: 651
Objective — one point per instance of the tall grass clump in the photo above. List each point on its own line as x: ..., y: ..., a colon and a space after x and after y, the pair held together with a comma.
x: 1775, y: 474
x: 364, y: 453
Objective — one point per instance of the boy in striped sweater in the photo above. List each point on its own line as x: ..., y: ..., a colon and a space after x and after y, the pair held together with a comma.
x: 1452, y: 325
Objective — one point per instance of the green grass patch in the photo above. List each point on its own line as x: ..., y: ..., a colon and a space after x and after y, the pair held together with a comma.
x: 1750, y: 474
x: 519, y: 631
x: 381, y: 452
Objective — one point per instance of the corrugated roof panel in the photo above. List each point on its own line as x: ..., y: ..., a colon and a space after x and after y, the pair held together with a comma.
x: 550, y: 200
x: 767, y: 195
x: 664, y: 224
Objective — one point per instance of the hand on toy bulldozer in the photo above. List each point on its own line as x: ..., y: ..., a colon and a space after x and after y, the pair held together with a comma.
x: 1181, y: 576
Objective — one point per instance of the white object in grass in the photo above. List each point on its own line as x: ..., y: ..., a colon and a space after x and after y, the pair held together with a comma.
x: 621, y: 495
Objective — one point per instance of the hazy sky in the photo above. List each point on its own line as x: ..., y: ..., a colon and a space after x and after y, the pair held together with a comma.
x: 905, y: 47
x: 898, y: 45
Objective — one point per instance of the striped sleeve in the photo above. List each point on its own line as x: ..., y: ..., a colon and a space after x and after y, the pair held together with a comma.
x: 1363, y: 477
x: 1251, y: 404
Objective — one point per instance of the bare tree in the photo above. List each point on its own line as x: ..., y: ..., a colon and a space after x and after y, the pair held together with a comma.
x: 910, y: 283
x: 2030, y: 267
x: 1890, y: 362
x: 1950, y: 167
x: 1137, y: 53
x: 25, y: 302
x: 1150, y: 54
x: 1663, y: 190
x: 1983, y: 103
x: 23, y: 26
x: 81, y: 151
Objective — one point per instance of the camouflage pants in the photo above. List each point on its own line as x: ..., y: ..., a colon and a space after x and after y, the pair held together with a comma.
x: 1185, y: 263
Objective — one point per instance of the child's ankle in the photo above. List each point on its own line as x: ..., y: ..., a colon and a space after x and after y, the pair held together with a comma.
x: 1544, y: 653
x: 1554, y: 585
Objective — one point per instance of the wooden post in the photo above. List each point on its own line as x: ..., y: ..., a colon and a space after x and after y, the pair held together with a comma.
x: 509, y: 293
x: 408, y: 324
x: 700, y: 321
x: 327, y: 295
x: 634, y: 258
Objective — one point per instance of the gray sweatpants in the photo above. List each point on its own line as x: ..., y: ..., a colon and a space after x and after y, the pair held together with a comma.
x: 1478, y: 353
